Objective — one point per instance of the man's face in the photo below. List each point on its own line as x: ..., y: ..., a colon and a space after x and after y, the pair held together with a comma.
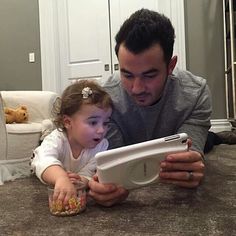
x: 143, y: 75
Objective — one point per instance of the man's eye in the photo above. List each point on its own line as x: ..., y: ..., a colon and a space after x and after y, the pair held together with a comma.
x: 150, y: 76
x: 128, y: 76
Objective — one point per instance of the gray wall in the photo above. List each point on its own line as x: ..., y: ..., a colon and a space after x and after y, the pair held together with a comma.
x: 19, y: 27
x: 205, y: 47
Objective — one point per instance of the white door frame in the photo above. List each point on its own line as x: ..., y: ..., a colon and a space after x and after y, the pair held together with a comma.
x: 49, y: 39
x: 49, y: 43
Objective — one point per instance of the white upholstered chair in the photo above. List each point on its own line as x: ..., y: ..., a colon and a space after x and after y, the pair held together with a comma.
x: 17, y: 141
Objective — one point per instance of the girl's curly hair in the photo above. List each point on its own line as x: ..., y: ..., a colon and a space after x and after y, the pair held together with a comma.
x: 72, y: 99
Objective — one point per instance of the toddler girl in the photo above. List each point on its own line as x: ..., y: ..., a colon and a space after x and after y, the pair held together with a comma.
x: 67, y: 153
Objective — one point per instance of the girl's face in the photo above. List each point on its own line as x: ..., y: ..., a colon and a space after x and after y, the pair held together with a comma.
x: 88, y: 126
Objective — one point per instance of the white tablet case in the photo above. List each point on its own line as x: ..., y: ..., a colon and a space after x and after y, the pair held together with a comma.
x: 137, y: 165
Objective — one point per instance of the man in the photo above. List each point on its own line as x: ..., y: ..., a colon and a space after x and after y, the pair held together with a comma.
x: 153, y: 100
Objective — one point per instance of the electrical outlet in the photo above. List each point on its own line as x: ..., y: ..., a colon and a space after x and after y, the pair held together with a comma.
x: 31, y: 57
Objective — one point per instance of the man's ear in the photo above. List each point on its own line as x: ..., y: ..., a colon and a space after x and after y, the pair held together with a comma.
x: 66, y: 121
x: 172, y: 64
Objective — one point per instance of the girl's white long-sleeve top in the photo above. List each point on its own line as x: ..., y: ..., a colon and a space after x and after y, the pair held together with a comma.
x: 55, y: 150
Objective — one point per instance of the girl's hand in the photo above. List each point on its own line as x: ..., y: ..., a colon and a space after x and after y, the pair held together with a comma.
x: 64, y: 190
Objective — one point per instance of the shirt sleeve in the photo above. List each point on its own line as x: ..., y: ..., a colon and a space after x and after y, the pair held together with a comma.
x: 47, y: 154
x: 89, y: 169
x: 198, y: 124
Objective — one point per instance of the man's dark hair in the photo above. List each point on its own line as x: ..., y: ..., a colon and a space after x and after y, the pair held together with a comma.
x: 143, y: 29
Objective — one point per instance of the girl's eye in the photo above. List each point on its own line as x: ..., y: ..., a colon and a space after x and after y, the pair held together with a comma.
x: 93, y: 123
x: 106, y: 123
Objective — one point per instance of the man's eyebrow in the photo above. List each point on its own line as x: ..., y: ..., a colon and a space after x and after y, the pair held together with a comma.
x: 150, y: 71
x: 125, y: 71
x: 153, y: 70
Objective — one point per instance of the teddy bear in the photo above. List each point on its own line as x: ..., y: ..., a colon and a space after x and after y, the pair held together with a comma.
x: 18, y: 115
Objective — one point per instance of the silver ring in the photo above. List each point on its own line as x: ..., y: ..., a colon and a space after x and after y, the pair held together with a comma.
x: 190, y: 175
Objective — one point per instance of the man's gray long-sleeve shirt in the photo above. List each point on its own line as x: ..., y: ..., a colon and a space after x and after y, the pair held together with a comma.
x: 185, y: 106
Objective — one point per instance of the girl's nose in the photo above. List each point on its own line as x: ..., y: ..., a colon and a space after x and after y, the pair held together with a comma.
x: 100, y: 129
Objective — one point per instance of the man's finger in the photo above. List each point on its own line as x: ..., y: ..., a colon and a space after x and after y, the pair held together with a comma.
x: 189, y: 156
x: 179, y: 166
x: 181, y: 176
x: 101, y: 188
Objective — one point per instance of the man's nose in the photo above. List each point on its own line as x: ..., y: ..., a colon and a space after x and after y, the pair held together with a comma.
x: 138, y: 86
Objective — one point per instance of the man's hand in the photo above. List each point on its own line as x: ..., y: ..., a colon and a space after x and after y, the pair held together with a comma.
x: 184, y: 169
x: 74, y: 177
x: 106, y: 194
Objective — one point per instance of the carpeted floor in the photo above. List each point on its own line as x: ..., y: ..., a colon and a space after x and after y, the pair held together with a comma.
x: 155, y: 210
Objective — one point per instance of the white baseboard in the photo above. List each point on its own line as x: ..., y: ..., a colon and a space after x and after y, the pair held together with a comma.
x: 218, y: 125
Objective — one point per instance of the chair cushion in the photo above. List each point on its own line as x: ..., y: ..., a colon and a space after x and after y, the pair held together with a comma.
x: 24, y: 128
x: 24, y: 138
x: 22, y: 145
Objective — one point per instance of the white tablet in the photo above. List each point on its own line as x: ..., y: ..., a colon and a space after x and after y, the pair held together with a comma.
x: 137, y: 165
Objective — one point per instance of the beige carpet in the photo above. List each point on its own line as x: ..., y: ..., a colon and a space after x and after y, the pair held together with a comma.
x: 155, y: 210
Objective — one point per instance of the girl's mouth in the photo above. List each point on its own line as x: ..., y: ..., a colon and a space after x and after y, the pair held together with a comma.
x: 96, y: 139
